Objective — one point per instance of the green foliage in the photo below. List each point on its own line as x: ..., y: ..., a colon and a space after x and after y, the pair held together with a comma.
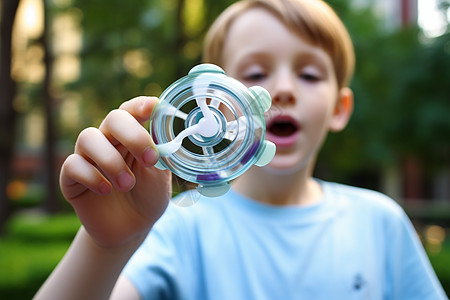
x: 30, y: 250
x: 401, y: 98
x: 33, y: 196
x: 400, y: 83
x: 440, y: 262
x: 138, y: 48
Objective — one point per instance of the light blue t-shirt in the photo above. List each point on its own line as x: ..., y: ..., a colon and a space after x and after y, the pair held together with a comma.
x: 354, y: 244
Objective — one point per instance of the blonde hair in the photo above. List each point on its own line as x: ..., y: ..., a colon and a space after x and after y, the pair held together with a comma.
x: 314, y: 20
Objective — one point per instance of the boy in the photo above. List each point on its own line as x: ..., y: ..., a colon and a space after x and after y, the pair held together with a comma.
x: 279, y: 234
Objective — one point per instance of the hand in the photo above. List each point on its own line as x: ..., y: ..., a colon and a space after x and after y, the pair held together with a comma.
x: 110, y: 180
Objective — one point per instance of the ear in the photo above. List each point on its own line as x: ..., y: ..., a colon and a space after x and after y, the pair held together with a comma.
x: 343, y: 110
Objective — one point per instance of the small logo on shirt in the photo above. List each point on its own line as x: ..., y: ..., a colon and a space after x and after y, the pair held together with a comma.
x: 358, y: 282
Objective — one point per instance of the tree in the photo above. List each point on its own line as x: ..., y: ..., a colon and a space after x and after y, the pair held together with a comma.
x: 7, y: 112
x: 143, y: 46
x: 51, y: 203
x: 401, y: 99
x: 137, y: 48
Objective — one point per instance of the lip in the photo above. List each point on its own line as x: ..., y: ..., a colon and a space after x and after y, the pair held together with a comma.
x: 283, y: 141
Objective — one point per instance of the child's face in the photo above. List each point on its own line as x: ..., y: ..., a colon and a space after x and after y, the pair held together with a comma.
x: 260, y: 50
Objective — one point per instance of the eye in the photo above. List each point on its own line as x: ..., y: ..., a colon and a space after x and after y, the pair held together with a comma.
x: 253, y: 73
x: 310, y: 74
x: 258, y: 76
x: 310, y: 77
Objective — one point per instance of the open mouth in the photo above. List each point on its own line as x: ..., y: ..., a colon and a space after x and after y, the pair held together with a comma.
x: 282, y: 130
x: 283, y: 126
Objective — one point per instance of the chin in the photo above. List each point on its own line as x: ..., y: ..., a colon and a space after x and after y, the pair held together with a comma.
x: 285, y: 165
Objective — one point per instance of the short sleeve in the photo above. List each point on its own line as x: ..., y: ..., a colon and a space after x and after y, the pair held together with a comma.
x: 409, y: 272
x: 158, y: 268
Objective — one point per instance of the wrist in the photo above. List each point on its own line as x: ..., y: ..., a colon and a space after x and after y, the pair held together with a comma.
x: 88, y: 270
x: 125, y: 249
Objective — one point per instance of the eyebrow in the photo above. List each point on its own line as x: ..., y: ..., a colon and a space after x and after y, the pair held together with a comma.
x: 314, y: 58
x: 254, y: 56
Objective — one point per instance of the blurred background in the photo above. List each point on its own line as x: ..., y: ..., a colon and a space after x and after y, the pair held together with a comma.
x: 66, y: 63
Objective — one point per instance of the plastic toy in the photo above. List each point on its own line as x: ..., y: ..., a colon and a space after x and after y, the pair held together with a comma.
x: 209, y: 129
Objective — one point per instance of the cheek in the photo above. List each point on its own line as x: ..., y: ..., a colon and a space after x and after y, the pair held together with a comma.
x: 322, y: 106
x: 319, y: 114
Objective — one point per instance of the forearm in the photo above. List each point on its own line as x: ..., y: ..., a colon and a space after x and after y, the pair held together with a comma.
x: 86, y: 271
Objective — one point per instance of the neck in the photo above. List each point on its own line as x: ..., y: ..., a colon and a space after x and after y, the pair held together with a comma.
x: 279, y: 189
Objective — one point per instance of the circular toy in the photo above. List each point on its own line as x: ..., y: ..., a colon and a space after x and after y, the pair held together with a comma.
x: 209, y: 129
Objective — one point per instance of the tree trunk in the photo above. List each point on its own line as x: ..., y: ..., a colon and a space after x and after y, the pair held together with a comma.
x: 51, y: 203
x: 413, y: 178
x: 7, y: 112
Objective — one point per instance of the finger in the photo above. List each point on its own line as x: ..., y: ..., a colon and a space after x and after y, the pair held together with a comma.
x: 78, y: 175
x: 140, y: 107
x: 121, y: 128
x: 95, y: 147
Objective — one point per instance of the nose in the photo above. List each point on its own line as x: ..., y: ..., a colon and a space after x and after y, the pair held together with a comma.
x: 283, y: 88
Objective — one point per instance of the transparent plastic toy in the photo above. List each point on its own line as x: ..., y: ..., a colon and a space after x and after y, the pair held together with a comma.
x: 209, y: 129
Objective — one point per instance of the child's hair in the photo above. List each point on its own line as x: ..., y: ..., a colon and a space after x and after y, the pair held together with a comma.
x: 314, y: 20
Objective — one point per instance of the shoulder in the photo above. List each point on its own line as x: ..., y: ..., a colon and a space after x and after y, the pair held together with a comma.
x: 374, y: 217
x: 364, y: 201
x: 381, y: 222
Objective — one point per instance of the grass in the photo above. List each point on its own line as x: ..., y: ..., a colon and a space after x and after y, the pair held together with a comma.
x: 33, y: 246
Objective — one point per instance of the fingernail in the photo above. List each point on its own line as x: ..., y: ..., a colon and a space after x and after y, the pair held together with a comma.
x: 104, y: 188
x: 125, y: 180
x: 150, y: 156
